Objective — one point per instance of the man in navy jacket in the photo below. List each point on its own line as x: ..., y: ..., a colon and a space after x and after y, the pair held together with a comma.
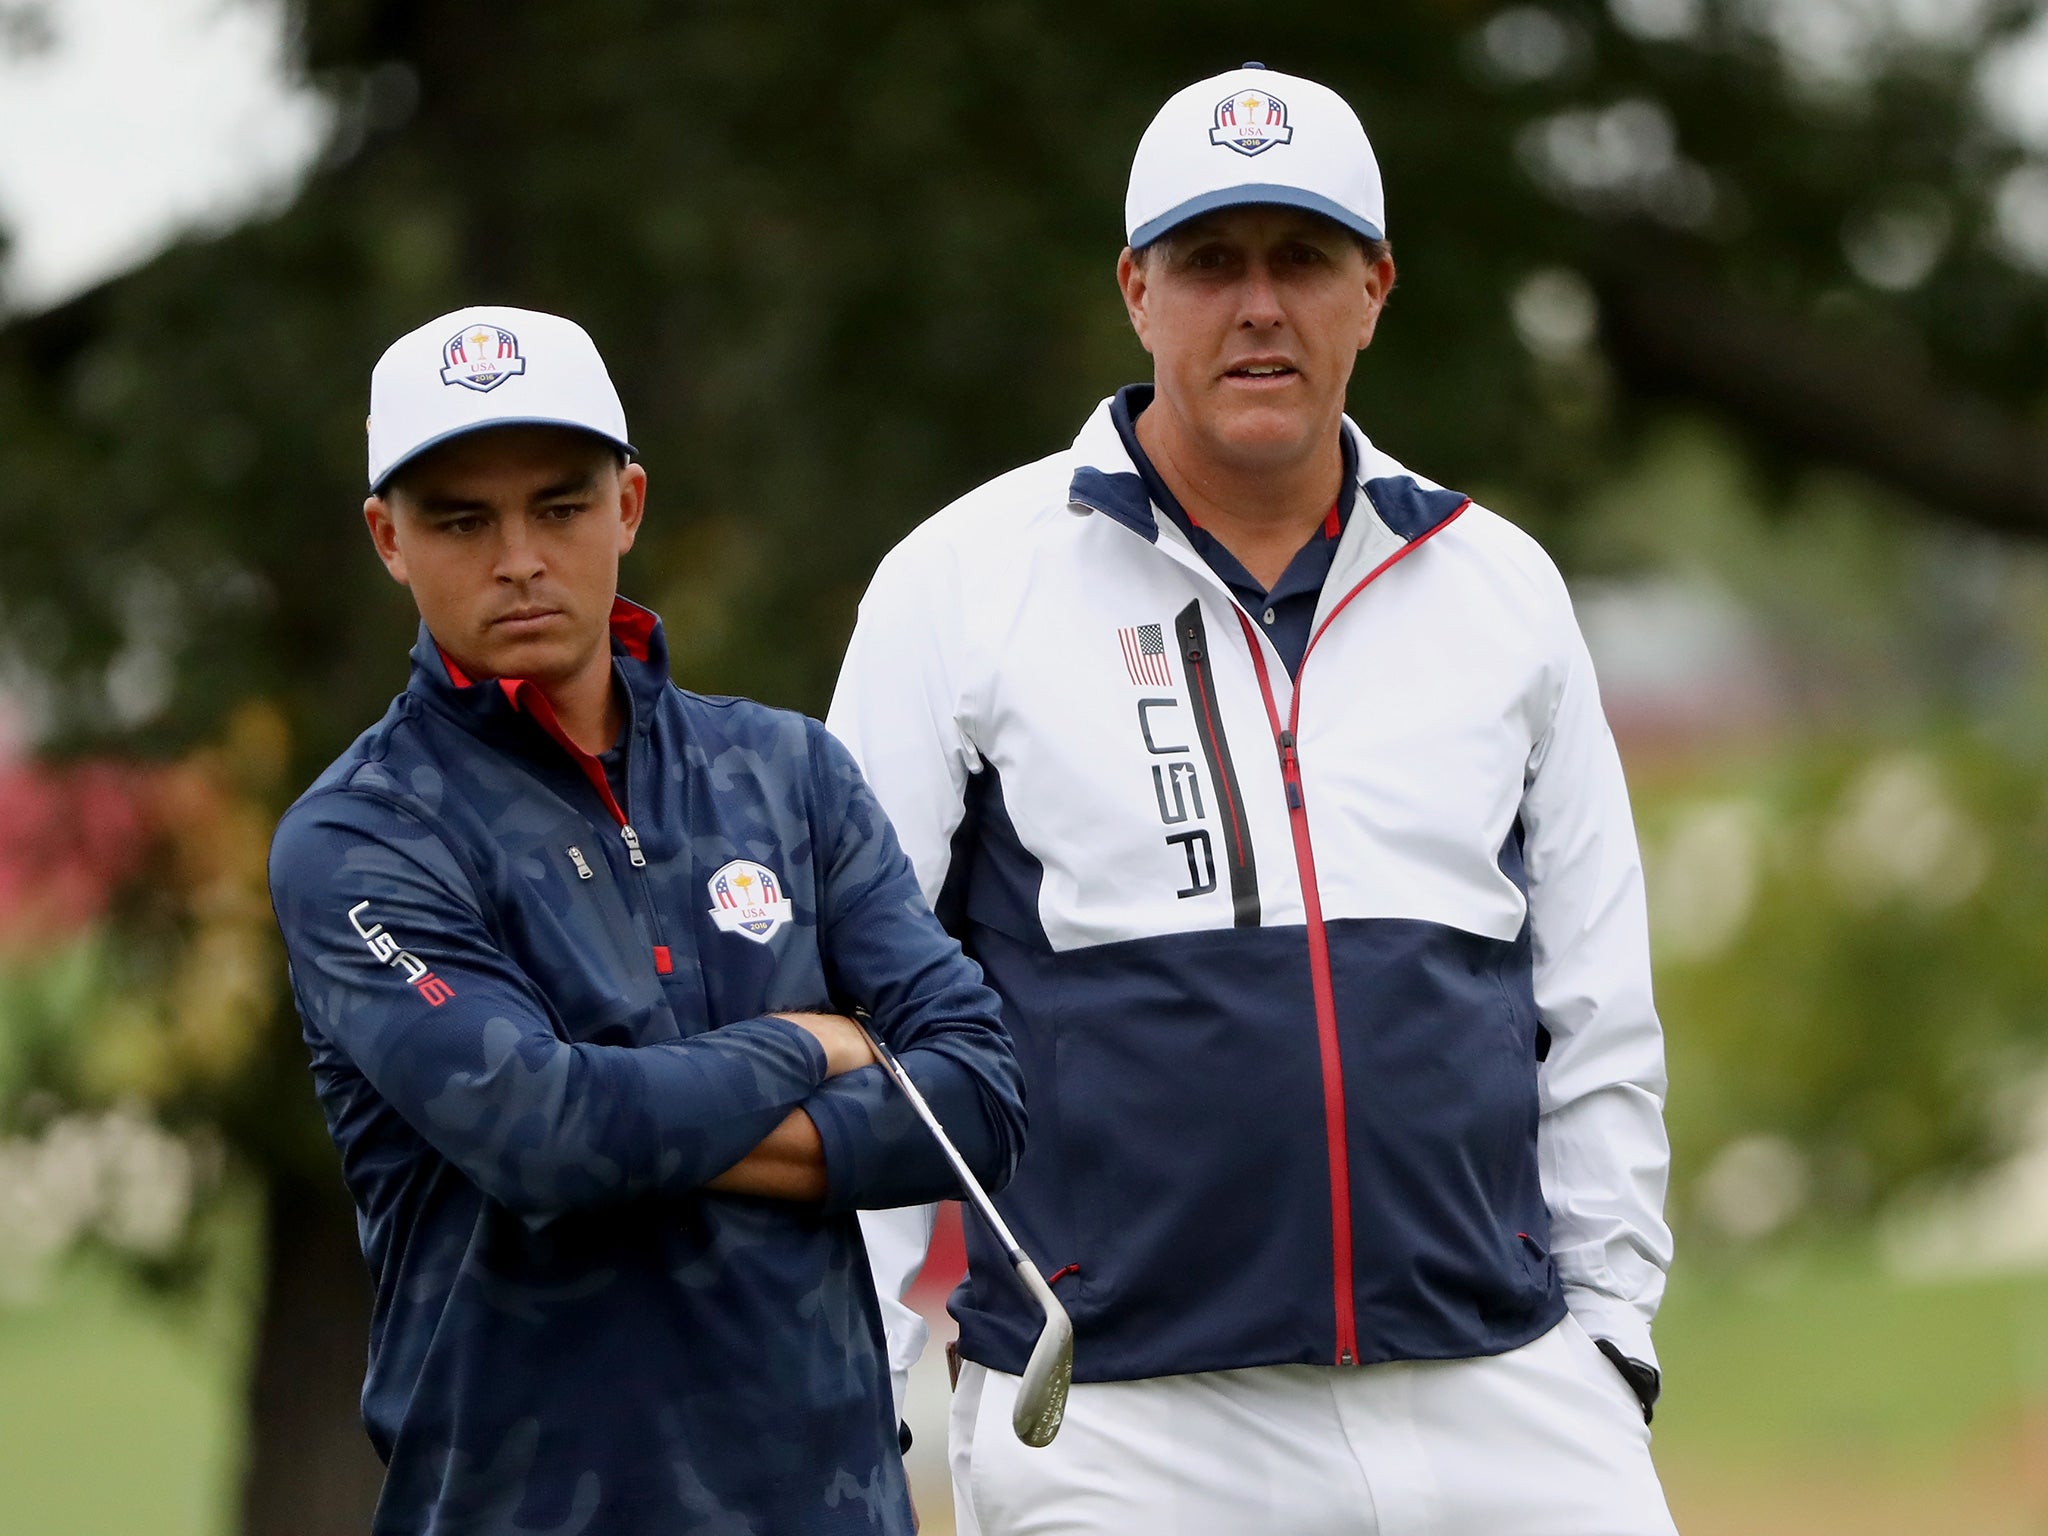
x: 574, y: 951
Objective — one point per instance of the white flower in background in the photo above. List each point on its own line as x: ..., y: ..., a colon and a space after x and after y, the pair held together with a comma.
x: 45, y: 1203
x: 1899, y: 835
x: 146, y: 1184
x: 1702, y: 879
x: 117, y: 1175
x: 1753, y: 1187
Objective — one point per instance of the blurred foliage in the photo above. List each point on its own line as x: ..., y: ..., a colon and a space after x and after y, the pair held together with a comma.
x: 1847, y: 887
x: 134, y: 1052
x: 182, y: 973
x: 196, y: 929
x: 26, y: 30
x: 1850, y: 966
x: 848, y: 261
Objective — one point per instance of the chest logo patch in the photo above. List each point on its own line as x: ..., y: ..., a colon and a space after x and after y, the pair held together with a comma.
x: 747, y: 899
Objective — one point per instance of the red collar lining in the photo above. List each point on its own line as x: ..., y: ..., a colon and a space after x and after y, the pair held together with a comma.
x: 631, y: 625
x: 532, y: 703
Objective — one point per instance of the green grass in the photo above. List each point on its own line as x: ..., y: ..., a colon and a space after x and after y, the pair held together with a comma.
x: 1826, y: 1358
x: 119, y: 1412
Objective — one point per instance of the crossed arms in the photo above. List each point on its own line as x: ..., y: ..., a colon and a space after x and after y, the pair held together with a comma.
x: 786, y: 1105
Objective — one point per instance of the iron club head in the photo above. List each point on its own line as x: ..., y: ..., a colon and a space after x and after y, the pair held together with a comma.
x: 1042, y: 1390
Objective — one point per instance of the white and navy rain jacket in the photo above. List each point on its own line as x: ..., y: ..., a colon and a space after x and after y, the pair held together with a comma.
x: 1332, y: 992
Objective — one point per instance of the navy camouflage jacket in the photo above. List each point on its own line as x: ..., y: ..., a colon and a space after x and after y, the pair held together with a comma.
x: 536, y: 1015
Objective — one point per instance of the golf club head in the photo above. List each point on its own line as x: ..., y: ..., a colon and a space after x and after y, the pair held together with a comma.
x: 1042, y: 1390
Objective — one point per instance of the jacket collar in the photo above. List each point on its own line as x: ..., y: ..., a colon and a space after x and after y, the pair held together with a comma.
x: 639, y: 660
x: 1110, y: 479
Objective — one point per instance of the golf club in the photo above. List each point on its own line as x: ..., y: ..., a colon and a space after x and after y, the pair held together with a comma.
x: 1042, y: 1390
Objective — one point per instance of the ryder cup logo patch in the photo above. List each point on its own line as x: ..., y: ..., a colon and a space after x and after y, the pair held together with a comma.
x: 1251, y: 123
x: 481, y: 357
x: 747, y: 899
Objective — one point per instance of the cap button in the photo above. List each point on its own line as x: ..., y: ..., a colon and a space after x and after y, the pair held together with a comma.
x: 1251, y: 64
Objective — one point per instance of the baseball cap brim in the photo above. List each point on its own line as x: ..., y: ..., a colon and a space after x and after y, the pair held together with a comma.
x: 415, y: 453
x: 1266, y: 193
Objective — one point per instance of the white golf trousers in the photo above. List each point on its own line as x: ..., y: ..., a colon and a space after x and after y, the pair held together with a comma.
x: 1546, y: 1440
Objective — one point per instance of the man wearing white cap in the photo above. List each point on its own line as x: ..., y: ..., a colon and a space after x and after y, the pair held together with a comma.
x: 1268, y: 782
x: 574, y: 952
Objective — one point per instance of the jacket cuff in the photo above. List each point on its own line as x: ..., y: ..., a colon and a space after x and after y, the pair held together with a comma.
x: 1609, y: 1317
x: 808, y: 1043
x: 842, y: 1118
x: 879, y: 1153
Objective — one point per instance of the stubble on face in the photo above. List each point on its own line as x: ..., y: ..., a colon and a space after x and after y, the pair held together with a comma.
x: 1254, y: 318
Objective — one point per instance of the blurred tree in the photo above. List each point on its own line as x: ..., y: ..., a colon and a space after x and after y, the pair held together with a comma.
x: 1851, y: 939
x: 25, y: 29
x: 848, y: 260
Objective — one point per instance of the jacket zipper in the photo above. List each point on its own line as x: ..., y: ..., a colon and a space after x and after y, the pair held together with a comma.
x: 1320, y: 986
x: 535, y: 704
x: 1244, y: 877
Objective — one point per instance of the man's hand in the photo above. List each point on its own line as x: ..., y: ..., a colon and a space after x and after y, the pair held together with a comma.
x: 846, y: 1048
x: 790, y: 1163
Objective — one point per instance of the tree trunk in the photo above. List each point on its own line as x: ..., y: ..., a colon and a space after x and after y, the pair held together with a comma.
x: 310, y: 1469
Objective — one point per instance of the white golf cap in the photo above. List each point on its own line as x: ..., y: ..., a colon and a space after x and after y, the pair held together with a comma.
x: 1254, y: 135
x: 488, y: 366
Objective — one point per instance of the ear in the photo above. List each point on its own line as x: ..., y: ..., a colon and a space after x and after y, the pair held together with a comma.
x: 1379, y: 283
x: 632, y: 503
x: 1130, y: 278
x: 383, y: 523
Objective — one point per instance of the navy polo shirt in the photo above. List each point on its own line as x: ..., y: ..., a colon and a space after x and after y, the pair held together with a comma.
x: 1287, y: 612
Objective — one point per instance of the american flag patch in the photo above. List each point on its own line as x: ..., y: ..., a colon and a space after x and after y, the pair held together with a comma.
x: 1145, y: 655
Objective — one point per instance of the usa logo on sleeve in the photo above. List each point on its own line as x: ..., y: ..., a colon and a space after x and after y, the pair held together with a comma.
x: 747, y: 899
x: 382, y: 946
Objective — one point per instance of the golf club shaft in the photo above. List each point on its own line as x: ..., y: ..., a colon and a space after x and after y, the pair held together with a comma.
x: 1041, y: 1403
x: 969, y: 1184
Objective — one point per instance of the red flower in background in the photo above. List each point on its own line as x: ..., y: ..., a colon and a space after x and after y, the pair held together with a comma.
x: 69, y: 835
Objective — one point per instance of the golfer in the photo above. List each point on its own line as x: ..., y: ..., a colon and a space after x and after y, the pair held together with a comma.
x: 574, y: 951
x: 1268, y: 782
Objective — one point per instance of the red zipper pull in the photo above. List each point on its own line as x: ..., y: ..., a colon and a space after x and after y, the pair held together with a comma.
x: 1290, y: 770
